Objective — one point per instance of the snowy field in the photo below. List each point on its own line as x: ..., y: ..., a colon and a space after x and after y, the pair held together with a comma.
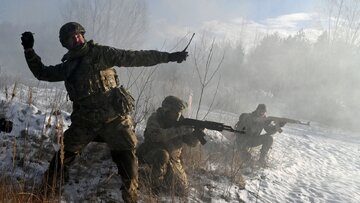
x: 306, y: 164
x: 310, y: 165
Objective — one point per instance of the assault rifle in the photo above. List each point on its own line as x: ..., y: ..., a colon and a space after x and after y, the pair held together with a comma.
x: 285, y: 120
x: 211, y: 125
x: 280, y: 122
x: 5, y: 125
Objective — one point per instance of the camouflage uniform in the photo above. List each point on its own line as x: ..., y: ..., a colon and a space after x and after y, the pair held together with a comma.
x: 254, y: 124
x: 92, y: 86
x: 162, y: 150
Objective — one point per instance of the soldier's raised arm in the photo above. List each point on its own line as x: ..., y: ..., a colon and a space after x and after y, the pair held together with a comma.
x: 129, y: 58
x: 40, y: 71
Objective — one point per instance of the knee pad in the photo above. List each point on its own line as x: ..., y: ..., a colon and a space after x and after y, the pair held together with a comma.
x: 69, y: 156
x: 162, y: 156
x: 270, y: 139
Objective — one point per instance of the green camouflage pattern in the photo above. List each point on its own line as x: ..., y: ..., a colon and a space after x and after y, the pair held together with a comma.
x: 162, y: 150
x: 254, y: 125
x: 90, y: 79
x: 89, y: 76
x: 173, y: 103
x: 118, y: 134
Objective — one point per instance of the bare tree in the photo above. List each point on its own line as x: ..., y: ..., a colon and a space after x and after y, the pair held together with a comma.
x: 206, y: 68
x: 343, y: 18
x: 142, y: 86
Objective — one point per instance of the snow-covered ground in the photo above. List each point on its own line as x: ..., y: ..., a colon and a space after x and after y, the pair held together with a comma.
x: 306, y: 164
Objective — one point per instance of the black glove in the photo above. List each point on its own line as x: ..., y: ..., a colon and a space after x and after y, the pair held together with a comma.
x: 179, y: 56
x: 27, y: 40
x: 282, y: 124
x: 200, y: 134
x: 5, y: 125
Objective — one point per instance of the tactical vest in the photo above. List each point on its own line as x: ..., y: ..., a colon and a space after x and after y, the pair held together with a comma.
x: 89, y: 78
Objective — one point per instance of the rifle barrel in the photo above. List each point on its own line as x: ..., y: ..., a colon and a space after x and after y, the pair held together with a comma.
x: 211, y: 125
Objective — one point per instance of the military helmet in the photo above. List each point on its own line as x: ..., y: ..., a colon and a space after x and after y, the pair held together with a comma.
x: 261, y: 107
x: 173, y: 103
x: 70, y: 29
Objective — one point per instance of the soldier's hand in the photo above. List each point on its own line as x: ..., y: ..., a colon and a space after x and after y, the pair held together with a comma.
x: 282, y: 124
x: 27, y: 40
x: 179, y: 56
x: 199, y: 133
x: 5, y: 125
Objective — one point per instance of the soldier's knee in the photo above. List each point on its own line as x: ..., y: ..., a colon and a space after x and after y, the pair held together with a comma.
x: 69, y: 157
x: 270, y: 140
x: 162, y: 157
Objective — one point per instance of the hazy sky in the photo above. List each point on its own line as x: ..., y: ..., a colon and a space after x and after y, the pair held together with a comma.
x: 226, y: 19
x: 169, y: 19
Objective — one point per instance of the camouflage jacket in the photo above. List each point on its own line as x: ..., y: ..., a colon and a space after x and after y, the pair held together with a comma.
x: 159, y: 135
x: 89, y: 75
x: 254, y: 125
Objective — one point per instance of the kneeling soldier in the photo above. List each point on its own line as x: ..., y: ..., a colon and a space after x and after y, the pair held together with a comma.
x: 163, y: 144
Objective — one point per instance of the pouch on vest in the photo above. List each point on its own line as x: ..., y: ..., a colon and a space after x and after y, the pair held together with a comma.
x: 123, y: 102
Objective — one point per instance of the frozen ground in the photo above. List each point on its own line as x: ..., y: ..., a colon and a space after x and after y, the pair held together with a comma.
x: 309, y: 165
x: 306, y: 164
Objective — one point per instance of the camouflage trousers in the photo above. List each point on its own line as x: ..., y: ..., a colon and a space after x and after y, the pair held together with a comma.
x: 120, y: 138
x: 166, y: 173
x: 247, y: 142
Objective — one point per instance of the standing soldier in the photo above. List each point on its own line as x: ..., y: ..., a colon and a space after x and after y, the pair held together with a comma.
x: 254, y: 123
x: 163, y: 146
x: 100, y: 107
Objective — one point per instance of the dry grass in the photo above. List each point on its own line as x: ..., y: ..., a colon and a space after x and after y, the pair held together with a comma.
x: 148, y: 195
x: 21, y: 191
x: 14, y: 192
x: 229, y: 163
